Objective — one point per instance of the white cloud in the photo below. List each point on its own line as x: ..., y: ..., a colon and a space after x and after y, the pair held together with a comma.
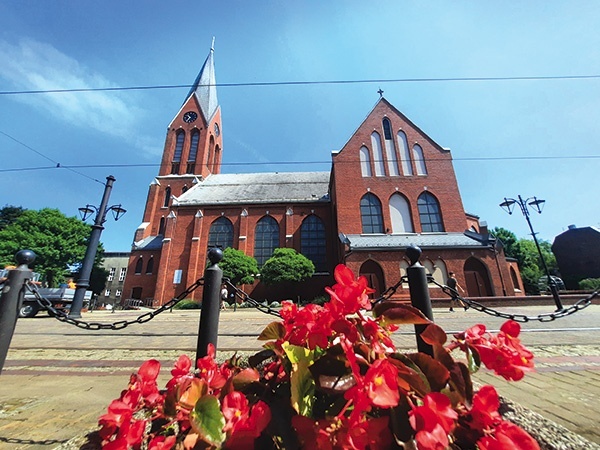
x: 33, y: 65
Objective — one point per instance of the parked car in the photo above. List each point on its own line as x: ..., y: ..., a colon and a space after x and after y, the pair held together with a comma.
x: 61, y: 299
x: 543, y: 284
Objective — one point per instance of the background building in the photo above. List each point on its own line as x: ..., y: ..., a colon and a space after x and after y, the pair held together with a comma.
x: 576, y: 252
x: 116, y: 265
x: 390, y: 186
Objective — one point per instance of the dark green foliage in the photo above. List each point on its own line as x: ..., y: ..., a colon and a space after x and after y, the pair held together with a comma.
x: 286, y: 264
x: 238, y: 267
x: 590, y: 284
x: 528, y: 258
x: 9, y: 214
x: 58, y: 241
x: 187, y: 304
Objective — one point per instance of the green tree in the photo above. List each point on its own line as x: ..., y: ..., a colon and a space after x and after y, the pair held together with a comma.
x: 510, y: 242
x: 286, y: 264
x: 238, y: 267
x: 9, y: 214
x: 58, y: 241
x: 528, y: 257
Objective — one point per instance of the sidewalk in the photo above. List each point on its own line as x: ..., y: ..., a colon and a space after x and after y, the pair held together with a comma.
x: 59, y: 379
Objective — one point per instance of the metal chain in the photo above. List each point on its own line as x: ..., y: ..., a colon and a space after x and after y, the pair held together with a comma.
x: 546, y: 317
x: 119, y: 325
x: 390, y: 291
x: 246, y: 298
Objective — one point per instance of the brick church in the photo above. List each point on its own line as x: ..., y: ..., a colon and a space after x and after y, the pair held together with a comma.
x: 390, y: 186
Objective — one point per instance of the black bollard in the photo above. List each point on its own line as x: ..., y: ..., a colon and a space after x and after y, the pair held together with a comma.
x: 11, y: 300
x: 211, y: 304
x: 419, y: 294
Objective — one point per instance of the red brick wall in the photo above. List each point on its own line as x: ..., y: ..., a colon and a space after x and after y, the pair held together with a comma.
x: 349, y: 184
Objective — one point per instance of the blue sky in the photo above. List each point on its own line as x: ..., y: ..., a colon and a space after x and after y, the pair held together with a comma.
x: 533, y: 138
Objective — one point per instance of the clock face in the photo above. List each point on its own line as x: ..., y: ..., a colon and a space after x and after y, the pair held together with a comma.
x: 217, y: 131
x: 190, y: 116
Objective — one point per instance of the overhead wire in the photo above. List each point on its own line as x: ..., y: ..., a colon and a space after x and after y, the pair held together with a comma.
x: 307, y: 82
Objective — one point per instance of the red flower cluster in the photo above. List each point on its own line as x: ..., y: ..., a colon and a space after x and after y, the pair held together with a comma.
x: 503, y: 353
x: 329, y: 378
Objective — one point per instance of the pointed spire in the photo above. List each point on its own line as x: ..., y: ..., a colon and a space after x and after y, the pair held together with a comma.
x: 205, y: 86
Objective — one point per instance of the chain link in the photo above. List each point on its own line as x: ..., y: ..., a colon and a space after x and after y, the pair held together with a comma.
x: 119, y: 325
x: 390, y: 291
x: 246, y: 298
x: 546, y: 317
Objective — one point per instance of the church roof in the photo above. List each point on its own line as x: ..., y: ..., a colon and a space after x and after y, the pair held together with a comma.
x: 149, y: 243
x: 401, y: 241
x: 258, y: 188
x: 205, y: 86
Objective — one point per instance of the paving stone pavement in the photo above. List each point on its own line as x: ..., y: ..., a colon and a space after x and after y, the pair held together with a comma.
x: 58, y: 379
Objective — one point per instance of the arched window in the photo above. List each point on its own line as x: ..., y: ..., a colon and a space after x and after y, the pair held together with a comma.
x: 167, y: 197
x: 184, y: 189
x: 221, y: 233
x: 217, y: 159
x: 400, y: 214
x: 429, y: 213
x: 313, y: 242
x: 365, y: 162
x: 191, y: 165
x: 150, y: 266
x: 390, y: 148
x: 441, y: 273
x: 377, y: 155
x: 266, y: 239
x: 419, y: 160
x: 161, y: 226
x: 371, y: 215
x: 139, y: 265
x: 404, y: 154
x: 211, y: 151
x: 180, y: 138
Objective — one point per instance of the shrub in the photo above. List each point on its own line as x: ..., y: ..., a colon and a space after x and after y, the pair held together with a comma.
x: 187, y: 304
x: 590, y: 284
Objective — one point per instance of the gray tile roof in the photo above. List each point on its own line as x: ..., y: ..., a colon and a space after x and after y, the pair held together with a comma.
x: 400, y: 241
x: 205, y: 87
x: 258, y: 188
x: 149, y: 243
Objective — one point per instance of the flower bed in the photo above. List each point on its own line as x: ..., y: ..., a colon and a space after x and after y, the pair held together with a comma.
x: 329, y: 377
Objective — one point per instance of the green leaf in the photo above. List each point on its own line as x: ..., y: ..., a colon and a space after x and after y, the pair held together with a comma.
x: 302, y: 384
x: 208, y: 421
x: 273, y: 331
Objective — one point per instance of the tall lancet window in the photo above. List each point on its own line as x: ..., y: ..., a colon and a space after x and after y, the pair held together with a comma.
x: 167, y: 197
x: 429, y: 213
x: 419, y: 160
x: 266, y: 239
x: 377, y: 154
x: 404, y: 154
x: 180, y: 138
x: 365, y: 162
x: 211, y: 152
x: 390, y: 149
x: 370, y: 214
x: 191, y: 164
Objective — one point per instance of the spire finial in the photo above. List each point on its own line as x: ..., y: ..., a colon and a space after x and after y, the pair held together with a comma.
x: 380, y: 92
x: 212, y: 46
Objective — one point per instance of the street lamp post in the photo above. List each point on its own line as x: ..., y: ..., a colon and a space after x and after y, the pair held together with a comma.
x: 537, y: 204
x: 90, y: 254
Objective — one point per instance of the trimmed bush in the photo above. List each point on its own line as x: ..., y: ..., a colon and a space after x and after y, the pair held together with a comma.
x: 187, y: 304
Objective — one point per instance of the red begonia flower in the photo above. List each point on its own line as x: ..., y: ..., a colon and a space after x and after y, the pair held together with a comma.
x: 508, y: 436
x: 484, y: 412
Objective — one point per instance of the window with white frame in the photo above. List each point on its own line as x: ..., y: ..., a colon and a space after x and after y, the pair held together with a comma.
x: 107, y: 293
x: 111, y: 274
x: 118, y: 293
x: 122, y: 273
